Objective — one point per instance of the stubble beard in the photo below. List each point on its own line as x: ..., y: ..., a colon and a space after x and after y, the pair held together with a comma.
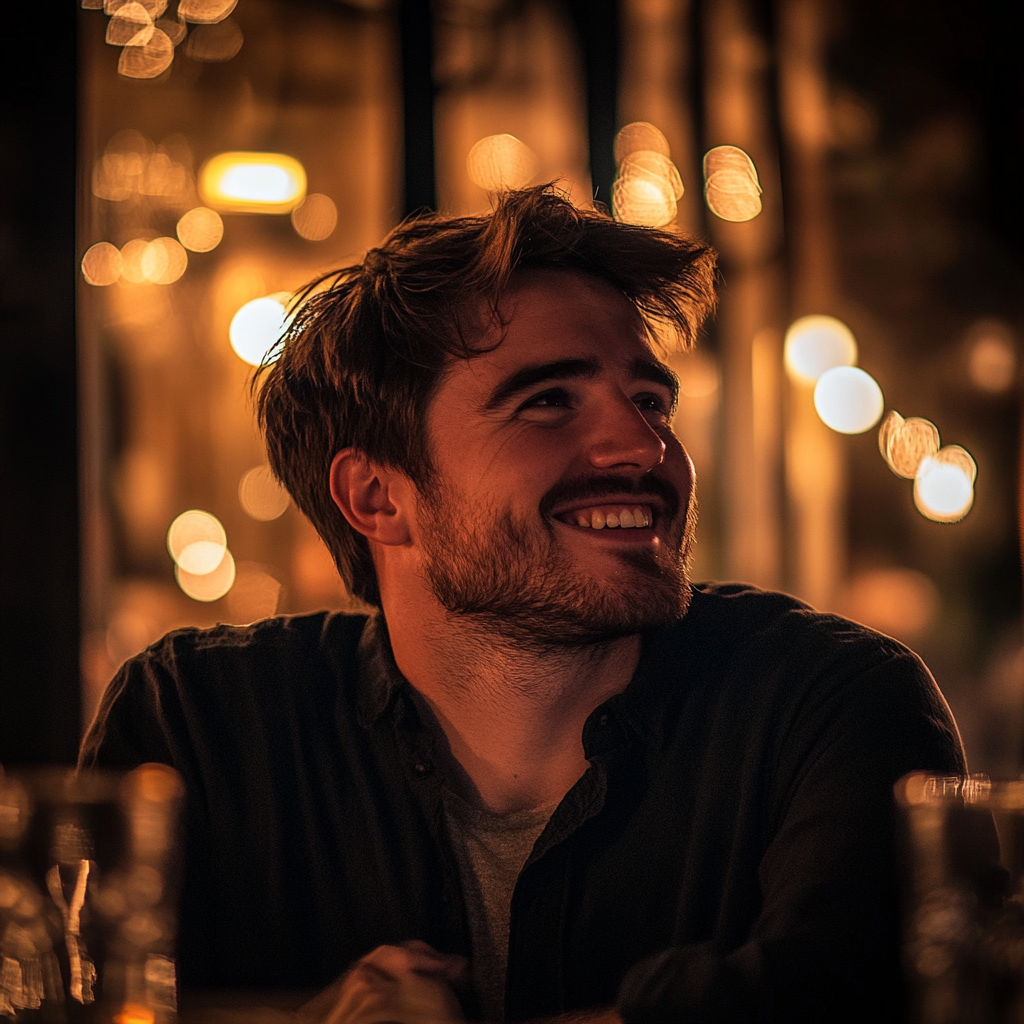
x: 521, y: 585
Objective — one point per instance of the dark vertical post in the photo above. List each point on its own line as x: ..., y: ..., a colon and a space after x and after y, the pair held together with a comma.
x: 417, y: 48
x: 597, y: 25
x: 40, y: 695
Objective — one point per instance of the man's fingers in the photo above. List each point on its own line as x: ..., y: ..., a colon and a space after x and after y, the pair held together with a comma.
x: 449, y: 966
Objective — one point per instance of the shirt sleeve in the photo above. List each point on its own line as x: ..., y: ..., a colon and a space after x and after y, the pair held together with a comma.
x: 131, y: 726
x: 825, y: 945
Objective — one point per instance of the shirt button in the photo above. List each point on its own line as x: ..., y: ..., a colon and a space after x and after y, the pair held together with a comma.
x: 603, y: 721
x: 423, y: 768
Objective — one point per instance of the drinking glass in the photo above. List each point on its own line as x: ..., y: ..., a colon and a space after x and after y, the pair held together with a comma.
x: 964, y: 933
x: 87, y: 895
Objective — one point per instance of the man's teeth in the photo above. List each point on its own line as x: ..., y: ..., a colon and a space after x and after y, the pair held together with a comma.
x: 624, y: 518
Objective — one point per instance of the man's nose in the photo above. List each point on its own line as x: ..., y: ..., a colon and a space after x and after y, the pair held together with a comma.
x: 622, y: 437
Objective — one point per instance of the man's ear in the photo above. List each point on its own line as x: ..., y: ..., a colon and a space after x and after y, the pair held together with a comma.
x: 376, y: 500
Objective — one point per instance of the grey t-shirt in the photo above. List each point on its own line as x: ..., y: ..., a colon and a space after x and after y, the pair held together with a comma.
x: 490, y: 850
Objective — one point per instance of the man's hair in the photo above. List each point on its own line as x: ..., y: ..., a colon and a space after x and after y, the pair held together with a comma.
x: 369, y: 343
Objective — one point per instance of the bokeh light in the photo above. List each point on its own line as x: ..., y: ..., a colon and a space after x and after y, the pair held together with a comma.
x: 944, y: 485
x: 258, y: 326
x: 209, y: 586
x: 905, y: 442
x: 214, y: 43
x: 848, y: 400
x: 174, y: 29
x: 638, y: 136
x: 992, y: 356
x: 200, y: 229
x: 196, y: 540
x: 815, y: 344
x: 500, y: 162
x: 101, y: 264
x: 900, y: 602
x: 648, y: 184
x: 131, y: 260
x: 731, y: 187
x: 149, y: 60
x: 130, y: 25
x: 638, y: 201
x: 254, y: 596
x: 315, y: 218
x: 205, y: 12
x: 164, y: 261
x: 252, y: 182
x: 260, y: 494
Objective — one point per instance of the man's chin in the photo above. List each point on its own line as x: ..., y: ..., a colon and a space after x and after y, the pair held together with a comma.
x: 586, y: 612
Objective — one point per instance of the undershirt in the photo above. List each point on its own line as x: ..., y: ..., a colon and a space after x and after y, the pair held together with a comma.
x: 490, y: 850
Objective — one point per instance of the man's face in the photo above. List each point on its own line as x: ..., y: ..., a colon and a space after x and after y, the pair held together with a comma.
x: 540, y: 447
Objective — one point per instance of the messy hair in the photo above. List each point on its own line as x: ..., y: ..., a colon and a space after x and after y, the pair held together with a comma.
x: 369, y: 343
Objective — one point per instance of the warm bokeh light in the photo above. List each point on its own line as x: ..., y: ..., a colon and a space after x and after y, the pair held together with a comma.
x: 500, y: 162
x: 815, y: 344
x: 200, y: 229
x: 209, y: 586
x: 900, y: 602
x: 214, y: 43
x: 130, y: 25
x: 698, y: 376
x: 638, y: 136
x: 196, y: 540
x: 149, y: 60
x: 992, y: 356
x: 904, y: 443
x: 944, y: 485
x: 101, y: 264
x: 205, y: 12
x: 252, y: 182
x: 731, y: 187
x: 635, y: 201
x: 315, y: 218
x: 258, y: 326
x: 254, y: 596
x: 164, y: 261
x: 131, y: 260
x: 848, y: 400
x: 261, y: 495
x: 133, y: 1013
x: 648, y: 165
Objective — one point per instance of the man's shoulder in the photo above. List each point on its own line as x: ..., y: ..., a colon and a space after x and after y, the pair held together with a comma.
x: 739, y: 612
x: 766, y: 640
x: 273, y: 651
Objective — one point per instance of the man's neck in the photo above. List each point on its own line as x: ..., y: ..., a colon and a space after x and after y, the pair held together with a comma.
x: 513, y: 713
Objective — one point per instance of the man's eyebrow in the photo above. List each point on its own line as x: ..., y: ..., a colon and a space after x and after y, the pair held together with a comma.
x: 656, y: 373
x: 529, y: 376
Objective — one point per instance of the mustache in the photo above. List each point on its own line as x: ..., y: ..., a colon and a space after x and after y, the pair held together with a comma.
x: 586, y: 488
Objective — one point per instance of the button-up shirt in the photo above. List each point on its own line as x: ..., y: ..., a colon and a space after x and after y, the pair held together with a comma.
x: 726, y: 856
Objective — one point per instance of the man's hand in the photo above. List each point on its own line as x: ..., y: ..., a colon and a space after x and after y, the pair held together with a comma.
x: 407, y: 984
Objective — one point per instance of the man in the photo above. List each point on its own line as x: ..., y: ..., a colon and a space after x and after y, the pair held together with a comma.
x: 611, y: 792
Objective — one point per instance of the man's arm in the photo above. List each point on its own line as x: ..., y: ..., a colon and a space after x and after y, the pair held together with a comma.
x: 410, y: 984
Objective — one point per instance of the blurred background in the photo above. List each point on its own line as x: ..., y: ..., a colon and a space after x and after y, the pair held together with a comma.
x: 174, y: 171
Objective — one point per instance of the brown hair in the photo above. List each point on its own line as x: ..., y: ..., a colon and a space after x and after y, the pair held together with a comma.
x: 369, y: 343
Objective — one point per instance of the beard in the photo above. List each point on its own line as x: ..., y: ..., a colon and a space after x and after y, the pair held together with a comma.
x: 520, y: 583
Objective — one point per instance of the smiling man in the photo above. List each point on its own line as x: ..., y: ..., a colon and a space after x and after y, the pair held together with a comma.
x: 547, y: 775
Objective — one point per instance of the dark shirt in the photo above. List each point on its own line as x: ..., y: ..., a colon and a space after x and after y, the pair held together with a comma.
x: 727, y: 856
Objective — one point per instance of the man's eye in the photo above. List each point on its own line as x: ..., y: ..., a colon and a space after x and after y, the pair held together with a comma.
x: 651, y: 402
x: 556, y: 398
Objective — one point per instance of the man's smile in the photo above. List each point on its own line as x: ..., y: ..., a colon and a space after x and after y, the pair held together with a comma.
x: 610, y: 516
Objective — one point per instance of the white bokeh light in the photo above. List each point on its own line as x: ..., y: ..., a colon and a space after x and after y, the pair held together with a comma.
x: 815, y: 344
x: 943, y: 490
x: 848, y: 400
x: 258, y: 326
